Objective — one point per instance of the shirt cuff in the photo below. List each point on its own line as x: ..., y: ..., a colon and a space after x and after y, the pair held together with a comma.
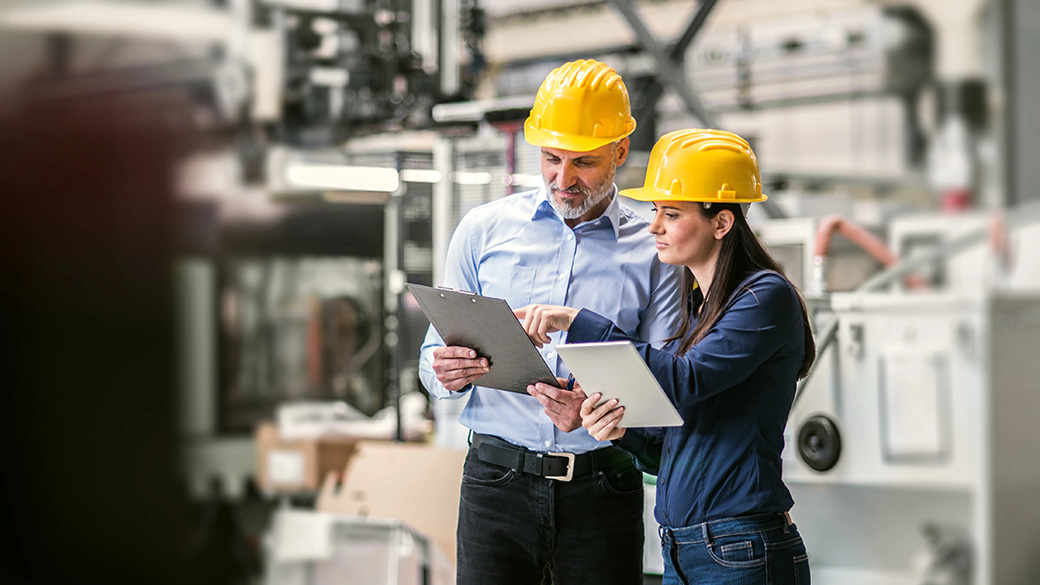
x: 588, y: 326
x: 630, y: 441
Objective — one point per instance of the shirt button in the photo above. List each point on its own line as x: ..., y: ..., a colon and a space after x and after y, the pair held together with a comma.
x: 551, y: 354
x: 570, y: 237
x: 547, y: 443
x: 563, y: 275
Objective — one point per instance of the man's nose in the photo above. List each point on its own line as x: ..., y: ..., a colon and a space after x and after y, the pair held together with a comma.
x: 565, y: 177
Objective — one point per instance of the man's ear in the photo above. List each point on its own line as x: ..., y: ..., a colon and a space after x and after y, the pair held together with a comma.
x: 622, y: 151
x: 723, y: 223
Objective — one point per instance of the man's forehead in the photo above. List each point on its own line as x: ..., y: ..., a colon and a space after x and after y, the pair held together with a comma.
x: 573, y: 154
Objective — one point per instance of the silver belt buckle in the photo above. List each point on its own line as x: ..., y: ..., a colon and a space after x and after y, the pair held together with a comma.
x: 570, y: 467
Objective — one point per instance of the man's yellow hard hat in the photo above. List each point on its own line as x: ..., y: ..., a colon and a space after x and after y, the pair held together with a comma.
x: 581, y: 106
x: 701, y: 165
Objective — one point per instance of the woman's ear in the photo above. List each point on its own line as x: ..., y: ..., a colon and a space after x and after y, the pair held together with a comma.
x: 723, y: 223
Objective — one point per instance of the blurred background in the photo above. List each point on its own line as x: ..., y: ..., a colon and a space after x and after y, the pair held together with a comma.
x: 210, y: 209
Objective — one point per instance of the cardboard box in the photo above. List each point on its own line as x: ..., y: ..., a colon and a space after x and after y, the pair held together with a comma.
x: 414, y: 483
x: 299, y: 465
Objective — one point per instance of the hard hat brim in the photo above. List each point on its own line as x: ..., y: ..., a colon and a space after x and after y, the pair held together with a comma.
x: 654, y: 194
x: 574, y: 143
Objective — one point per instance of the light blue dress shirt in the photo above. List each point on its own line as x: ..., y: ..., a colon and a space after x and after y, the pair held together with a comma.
x: 519, y: 249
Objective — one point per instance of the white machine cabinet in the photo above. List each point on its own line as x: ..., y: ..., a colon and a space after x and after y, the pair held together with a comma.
x: 935, y: 401
x: 314, y: 548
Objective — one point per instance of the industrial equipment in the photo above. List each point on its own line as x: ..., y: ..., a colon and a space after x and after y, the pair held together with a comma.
x: 820, y: 55
x: 307, y: 73
x: 846, y: 82
x: 909, y: 455
x: 308, y: 548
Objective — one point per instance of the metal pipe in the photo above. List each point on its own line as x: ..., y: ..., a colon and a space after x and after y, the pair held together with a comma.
x: 1023, y: 216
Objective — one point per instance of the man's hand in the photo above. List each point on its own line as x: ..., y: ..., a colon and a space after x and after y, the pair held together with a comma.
x: 601, y: 421
x: 457, y: 367
x: 561, y: 406
x: 541, y: 320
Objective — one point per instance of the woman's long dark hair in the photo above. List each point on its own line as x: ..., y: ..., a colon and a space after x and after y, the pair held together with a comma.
x: 741, y: 255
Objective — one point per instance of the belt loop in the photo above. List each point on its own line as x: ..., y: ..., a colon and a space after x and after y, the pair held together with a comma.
x: 706, y: 533
x: 520, y: 453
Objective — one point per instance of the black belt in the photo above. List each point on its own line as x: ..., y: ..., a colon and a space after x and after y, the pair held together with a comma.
x: 559, y: 466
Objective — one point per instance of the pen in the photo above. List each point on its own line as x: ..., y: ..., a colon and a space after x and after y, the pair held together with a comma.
x: 570, y: 382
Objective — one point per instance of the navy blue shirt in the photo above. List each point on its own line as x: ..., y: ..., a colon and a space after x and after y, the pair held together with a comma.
x: 734, y: 390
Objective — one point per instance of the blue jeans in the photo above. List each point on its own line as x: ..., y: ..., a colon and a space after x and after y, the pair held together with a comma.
x: 514, y: 528
x: 761, y: 549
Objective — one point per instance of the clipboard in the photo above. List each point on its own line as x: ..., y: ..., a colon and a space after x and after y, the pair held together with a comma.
x: 489, y: 326
x: 616, y: 370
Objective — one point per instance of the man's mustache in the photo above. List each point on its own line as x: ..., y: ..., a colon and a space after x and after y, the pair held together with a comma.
x: 572, y: 190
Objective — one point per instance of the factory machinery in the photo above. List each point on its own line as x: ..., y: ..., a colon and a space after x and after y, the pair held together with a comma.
x: 911, y: 450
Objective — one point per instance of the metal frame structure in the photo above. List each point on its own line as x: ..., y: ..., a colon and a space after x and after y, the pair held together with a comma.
x: 667, y: 60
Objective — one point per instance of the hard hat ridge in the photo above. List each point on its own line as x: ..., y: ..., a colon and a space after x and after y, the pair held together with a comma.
x: 703, y: 165
x: 581, y: 106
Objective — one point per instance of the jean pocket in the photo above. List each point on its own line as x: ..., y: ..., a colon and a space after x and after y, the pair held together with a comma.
x: 479, y: 473
x: 792, y: 545
x: 622, y: 483
x: 801, y: 570
x: 738, y: 550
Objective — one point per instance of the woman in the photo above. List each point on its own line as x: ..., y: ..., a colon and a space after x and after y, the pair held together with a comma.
x: 730, y: 370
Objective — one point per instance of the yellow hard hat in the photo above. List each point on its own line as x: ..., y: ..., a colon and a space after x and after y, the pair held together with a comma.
x: 581, y: 106
x: 701, y: 165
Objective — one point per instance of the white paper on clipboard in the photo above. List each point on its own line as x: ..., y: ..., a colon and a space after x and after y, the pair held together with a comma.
x: 616, y: 370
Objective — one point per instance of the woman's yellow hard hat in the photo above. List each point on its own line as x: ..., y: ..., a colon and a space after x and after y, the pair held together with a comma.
x: 701, y: 165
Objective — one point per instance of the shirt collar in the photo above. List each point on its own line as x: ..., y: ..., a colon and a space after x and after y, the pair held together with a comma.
x: 611, y: 214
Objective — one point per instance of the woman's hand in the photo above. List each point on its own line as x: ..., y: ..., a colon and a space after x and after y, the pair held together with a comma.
x: 601, y: 421
x: 541, y: 320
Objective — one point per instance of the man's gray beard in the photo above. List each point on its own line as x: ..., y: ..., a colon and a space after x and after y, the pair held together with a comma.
x: 591, y: 200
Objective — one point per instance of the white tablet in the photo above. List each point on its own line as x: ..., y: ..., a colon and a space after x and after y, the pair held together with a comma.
x: 616, y: 370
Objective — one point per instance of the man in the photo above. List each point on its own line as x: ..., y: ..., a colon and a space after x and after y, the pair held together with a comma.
x: 525, y: 509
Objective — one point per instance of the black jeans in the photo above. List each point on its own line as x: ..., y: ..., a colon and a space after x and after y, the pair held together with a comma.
x: 514, y: 528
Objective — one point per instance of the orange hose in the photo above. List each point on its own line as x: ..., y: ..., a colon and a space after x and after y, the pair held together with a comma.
x: 870, y: 243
